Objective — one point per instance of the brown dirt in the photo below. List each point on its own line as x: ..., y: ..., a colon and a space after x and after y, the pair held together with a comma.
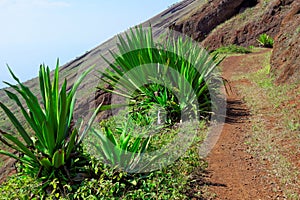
x: 233, y: 173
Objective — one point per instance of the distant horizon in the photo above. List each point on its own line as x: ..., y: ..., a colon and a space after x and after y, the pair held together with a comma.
x: 42, y: 31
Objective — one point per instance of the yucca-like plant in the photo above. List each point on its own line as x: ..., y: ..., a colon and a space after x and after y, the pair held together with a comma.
x: 265, y: 40
x: 179, y: 70
x: 121, y: 147
x: 51, y: 143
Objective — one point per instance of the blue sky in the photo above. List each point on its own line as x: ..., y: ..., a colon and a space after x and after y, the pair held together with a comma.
x: 40, y: 31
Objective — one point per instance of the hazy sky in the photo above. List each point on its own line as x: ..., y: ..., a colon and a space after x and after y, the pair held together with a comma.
x: 40, y: 31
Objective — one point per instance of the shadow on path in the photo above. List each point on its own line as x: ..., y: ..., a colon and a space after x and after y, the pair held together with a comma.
x: 236, y: 112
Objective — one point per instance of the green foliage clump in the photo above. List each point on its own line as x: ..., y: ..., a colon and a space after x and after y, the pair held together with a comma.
x: 111, y: 183
x: 51, y: 148
x: 265, y: 40
x: 119, y: 147
x: 146, y: 73
x: 230, y: 49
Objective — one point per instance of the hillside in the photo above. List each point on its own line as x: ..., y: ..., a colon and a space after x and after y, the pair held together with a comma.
x: 220, y: 23
x: 214, y: 24
x: 217, y: 23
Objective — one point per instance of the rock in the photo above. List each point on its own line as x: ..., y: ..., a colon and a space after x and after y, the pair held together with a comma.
x: 103, y: 97
x: 209, y: 16
x: 285, y: 59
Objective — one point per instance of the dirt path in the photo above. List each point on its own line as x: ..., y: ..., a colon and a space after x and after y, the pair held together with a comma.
x: 232, y: 172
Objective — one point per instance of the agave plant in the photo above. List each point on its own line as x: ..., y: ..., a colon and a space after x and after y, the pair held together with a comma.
x: 121, y: 147
x: 265, y: 40
x: 174, y: 74
x: 51, y: 143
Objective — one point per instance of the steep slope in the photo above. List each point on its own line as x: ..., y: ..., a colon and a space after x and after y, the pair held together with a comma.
x: 223, y: 22
x: 286, y: 55
x: 200, y: 23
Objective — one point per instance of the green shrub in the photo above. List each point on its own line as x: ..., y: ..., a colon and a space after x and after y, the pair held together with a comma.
x: 232, y: 49
x: 146, y: 74
x: 119, y: 147
x: 265, y: 40
x: 51, y: 148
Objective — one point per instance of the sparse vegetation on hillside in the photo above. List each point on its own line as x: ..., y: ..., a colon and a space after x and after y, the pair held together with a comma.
x: 230, y: 49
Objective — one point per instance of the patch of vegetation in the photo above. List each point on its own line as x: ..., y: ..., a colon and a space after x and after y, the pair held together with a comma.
x: 109, y: 183
x: 52, y: 148
x: 297, y: 30
x: 265, y: 40
x: 266, y: 3
x: 231, y: 49
x: 119, y: 147
x: 148, y: 74
x: 1, y: 162
x: 106, y: 181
